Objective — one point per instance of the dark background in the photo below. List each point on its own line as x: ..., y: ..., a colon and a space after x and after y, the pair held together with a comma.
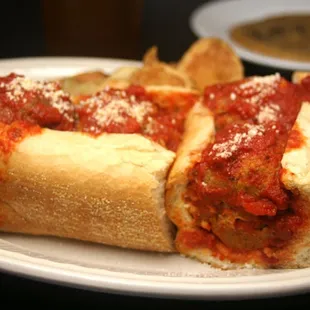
x: 15, y: 291
x: 101, y: 28
x: 117, y: 29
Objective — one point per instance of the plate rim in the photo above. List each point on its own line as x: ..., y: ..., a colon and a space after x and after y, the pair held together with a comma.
x: 37, y: 59
x: 245, y: 54
x: 154, y: 288
x: 60, y: 273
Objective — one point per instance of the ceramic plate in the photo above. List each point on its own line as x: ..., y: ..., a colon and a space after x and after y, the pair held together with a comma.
x: 110, y: 269
x: 217, y: 18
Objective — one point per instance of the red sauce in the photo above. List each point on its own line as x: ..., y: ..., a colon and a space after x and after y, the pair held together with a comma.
x: 157, y: 116
x: 305, y: 82
x: 11, y: 135
x: 233, y: 103
x: 199, y: 238
x: 236, y: 187
x: 296, y: 139
x: 26, y: 106
x: 35, y: 102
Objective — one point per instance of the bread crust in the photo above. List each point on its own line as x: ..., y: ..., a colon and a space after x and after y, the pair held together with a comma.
x: 108, y: 189
x: 199, y: 132
x: 296, y: 178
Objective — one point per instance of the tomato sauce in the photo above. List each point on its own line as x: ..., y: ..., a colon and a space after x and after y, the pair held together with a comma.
x: 11, y: 135
x: 155, y: 115
x: 27, y: 106
x: 296, y: 139
x: 305, y: 82
x: 35, y: 102
x: 236, y: 186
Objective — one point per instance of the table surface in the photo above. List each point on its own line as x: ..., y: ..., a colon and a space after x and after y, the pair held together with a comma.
x: 31, y: 292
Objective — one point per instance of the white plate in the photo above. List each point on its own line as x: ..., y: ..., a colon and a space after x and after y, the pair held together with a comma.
x: 216, y: 18
x: 109, y: 269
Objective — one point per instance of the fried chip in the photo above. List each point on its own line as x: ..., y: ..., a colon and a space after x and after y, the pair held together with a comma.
x: 211, y: 61
x: 86, y: 83
x: 120, y: 78
x: 151, y: 56
x: 297, y: 76
x: 156, y: 72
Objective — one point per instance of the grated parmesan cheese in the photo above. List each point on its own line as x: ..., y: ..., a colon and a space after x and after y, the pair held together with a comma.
x: 259, y: 88
x: 113, y: 108
x: 268, y: 113
x: 149, y: 127
x: 17, y: 88
x: 233, y: 96
x: 227, y: 148
x: 261, y: 81
x: 114, y: 112
x: 256, y: 92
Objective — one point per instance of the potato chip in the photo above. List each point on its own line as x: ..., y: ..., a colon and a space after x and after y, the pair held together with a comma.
x: 210, y: 61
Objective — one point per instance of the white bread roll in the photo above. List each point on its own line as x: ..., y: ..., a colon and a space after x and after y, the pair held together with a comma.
x: 200, y: 131
x: 108, y: 189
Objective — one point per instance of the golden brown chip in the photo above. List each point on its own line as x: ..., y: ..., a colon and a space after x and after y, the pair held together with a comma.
x: 297, y: 76
x: 156, y: 72
x: 86, y: 83
x: 160, y: 74
x: 151, y: 56
x: 120, y: 78
x: 211, y: 61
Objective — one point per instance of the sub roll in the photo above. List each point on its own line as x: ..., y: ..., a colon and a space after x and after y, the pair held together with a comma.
x: 95, y: 171
x: 239, y: 189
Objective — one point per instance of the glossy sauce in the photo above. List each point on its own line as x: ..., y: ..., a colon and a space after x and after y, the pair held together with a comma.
x: 296, y: 139
x: 159, y: 117
x: 236, y: 187
x: 11, y: 136
x: 35, y: 102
